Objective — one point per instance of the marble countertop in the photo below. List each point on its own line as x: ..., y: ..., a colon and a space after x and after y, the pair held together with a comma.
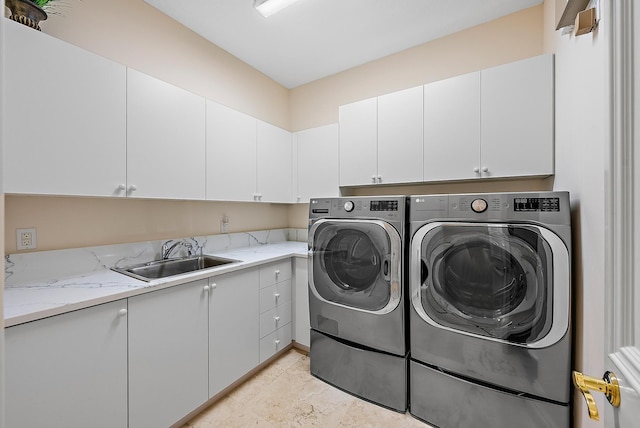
x: 41, y: 297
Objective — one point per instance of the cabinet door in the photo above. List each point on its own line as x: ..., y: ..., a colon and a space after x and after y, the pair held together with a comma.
x: 400, y: 141
x: 359, y: 143
x: 165, y: 140
x: 517, y: 118
x: 69, y: 370
x: 301, y: 298
x: 168, y: 354
x: 65, y: 118
x: 274, y: 163
x: 452, y: 128
x: 231, y: 154
x: 317, y: 163
x: 233, y: 328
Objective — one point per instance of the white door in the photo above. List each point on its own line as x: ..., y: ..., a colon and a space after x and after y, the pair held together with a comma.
x: 622, y: 325
x: 400, y: 143
x: 516, y: 131
x: 452, y: 128
x: 359, y: 143
x: 231, y: 154
x: 317, y: 163
x: 165, y: 140
x: 77, y: 144
x: 273, y: 163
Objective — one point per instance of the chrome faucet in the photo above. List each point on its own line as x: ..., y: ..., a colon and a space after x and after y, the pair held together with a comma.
x: 168, y: 249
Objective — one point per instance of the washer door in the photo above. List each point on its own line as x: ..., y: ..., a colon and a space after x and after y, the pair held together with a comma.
x: 497, y: 281
x: 356, y: 264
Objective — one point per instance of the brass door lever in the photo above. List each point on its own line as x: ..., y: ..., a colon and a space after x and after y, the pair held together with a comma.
x: 608, y: 385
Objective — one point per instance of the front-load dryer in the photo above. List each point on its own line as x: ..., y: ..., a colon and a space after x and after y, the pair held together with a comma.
x: 489, y: 278
x: 357, y: 296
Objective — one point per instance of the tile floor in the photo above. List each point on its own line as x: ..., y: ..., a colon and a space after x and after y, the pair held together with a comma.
x: 284, y: 394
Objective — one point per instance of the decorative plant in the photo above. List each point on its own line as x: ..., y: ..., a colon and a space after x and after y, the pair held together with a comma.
x: 44, y: 4
x: 29, y: 12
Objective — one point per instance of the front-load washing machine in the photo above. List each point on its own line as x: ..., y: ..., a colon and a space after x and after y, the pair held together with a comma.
x: 490, y: 336
x: 357, y: 297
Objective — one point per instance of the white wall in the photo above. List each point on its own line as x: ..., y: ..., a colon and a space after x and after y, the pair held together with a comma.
x: 582, y: 112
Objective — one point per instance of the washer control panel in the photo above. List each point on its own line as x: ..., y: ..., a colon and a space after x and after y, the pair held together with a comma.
x: 389, y: 208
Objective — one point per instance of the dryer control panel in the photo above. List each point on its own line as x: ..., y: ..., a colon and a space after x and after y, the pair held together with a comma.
x: 545, y: 207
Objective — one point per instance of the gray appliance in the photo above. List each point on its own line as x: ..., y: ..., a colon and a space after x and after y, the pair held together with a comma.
x: 490, y: 336
x: 357, y: 297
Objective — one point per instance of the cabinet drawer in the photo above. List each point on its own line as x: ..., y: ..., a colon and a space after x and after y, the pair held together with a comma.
x: 274, y: 318
x: 274, y: 295
x: 275, y: 272
x: 274, y: 342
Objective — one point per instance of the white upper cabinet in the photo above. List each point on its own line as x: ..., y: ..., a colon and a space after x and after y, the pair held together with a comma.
x: 400, y: 142
x: 247, y: 159
x: 359, y: 143
x: 273, y: 164
x: 165, y: 140
x: 381, y: 139
x: 65, y: 118
x: 452, y: 128
x: 518, y: 118
x: 231, y: 154
x: 317, y: 163
x: 494, y: 123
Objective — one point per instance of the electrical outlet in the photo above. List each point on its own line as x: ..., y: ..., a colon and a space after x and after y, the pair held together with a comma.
x: 26, y: 239
x: 224, y: 224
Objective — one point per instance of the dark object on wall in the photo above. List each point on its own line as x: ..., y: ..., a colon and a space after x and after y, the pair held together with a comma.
x: 572, y: 8
x: 26, y: 12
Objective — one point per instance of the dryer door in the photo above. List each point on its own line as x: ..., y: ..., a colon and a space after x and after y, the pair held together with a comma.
x: 356, y: 264
x: 497, y: 281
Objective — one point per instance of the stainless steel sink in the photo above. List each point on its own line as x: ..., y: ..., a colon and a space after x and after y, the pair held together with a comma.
x: 171, y: 267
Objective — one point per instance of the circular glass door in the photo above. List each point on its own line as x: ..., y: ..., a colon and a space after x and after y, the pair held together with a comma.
x: 355, y: 263
x: 489, y: 280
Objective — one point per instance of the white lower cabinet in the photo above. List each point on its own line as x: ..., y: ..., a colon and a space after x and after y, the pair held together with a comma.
x: 69, y: 370
x: 233, y: 328
x: 301, y: 299
x: 149, y: 360
x: 275, y: 342
x: 168, y: 354
x: 275, y: 308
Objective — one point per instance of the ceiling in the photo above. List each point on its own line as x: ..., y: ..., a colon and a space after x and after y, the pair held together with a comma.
x: 313, y: 39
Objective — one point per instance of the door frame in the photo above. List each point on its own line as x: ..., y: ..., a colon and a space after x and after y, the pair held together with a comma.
x: 622, y: 189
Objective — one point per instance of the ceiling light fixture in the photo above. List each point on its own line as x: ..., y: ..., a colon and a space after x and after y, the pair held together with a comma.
x: 269, y: 7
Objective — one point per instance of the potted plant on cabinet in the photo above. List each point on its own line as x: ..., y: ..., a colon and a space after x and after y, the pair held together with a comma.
x: 28, y: 12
